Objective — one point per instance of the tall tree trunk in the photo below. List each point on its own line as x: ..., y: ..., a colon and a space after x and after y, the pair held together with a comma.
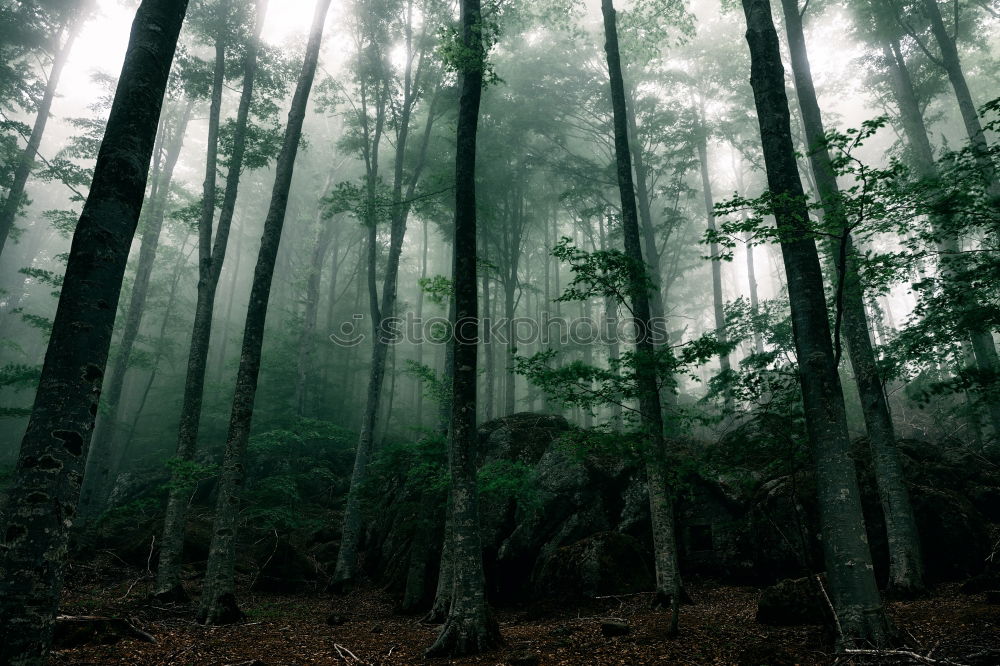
x: 96, y: 484
x: 758, y: 339
x: 490, y: 377
x: 510, y: 379
x: 307, y: 340
x: 854, y: 594
x: 668, y: 584
x: 218, y: 601
x: 210, y: 260
x: 718, y: 299
x: 15, y: 195
x: 419, y: 397
x: 905, y: 559
x: 948, y: 245
x: 42, y: 501
x: 952, y: 64
x: 470, y: 627
x: 382, y: 313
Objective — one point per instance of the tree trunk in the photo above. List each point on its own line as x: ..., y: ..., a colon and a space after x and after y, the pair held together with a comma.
x: 97, y: 482
x: 210, y: 261
x: 718, y: 298
x: 758, y: 339
x: 470, y: 627
x: 668, y: 584
x: 490, y: 376
x: 919, y: 141
x: 970, y: 116
x: 510, y: 380
x: 905, y: 559
x: 854, y: 594
x: 346, y: 568
x: 218, y: 602
x: 15, y: 195
x: 307, y: 340
x: 42, y: 500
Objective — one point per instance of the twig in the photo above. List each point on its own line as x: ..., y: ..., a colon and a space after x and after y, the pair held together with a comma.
x: 902, y: 653
x: 836, y: 619
x: 341, y: 650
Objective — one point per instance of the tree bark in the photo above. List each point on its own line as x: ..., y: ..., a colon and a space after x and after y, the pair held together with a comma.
x: 210, y: 261
x: 668, y: 584
x: 905, y: 558
x: 952, y: 64
x: 218, y: 602
x: 853, y: 591
x: 470, y: 627
x: 15, y: 195
x: 718, y: 299
x: 307, y: 340
x: 918, y: 139
x: 42, y: 501
x: 382, y: 313
x: 97, y: 481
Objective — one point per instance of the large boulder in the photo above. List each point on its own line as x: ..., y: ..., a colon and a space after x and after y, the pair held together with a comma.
x: 602, y: 564
x: 793, y: 602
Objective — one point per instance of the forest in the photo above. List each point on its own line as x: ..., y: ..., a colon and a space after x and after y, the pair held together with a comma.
x: 516, y: 332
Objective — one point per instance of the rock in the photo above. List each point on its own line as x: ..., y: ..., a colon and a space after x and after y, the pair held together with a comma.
x: 522, y: 437
x: 605, y: 563
x: 524, y: 658
x: 285, y: 569
x: 953, y: 534
x: 612, y: 628
x: 988, y: 580
x: 791, y: 603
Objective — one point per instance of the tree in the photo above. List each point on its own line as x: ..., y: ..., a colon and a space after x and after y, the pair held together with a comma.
x: 470, y: 627
x: 906, y: 561
x: 661, y: 508
x: 97, y: 478
x: 211, y: 256
x: 71, y: 21
x: 382, y: 309
x: 218, y: 602
x: 42, y: 502
x: 853, y: 591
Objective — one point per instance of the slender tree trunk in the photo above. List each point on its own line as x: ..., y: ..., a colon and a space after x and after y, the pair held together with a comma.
x: 490, y: 377
x: 307, y: 340
x: 906, y: 561
x: 611, y: 334
x: 41, y: 503
x: 470, y: 627
x: 419, y: 398
x: 218, y: 602
x: 15, y: 195
x: 717, y: 296
x: 970, y: 115
x: 668, y: 585
x: 758, y: 339
x: 97, y: 481
x: 510, y: 383
x: 854, y: 594
x: 345, y: 571
x: 210, y: 261
x: 948, y: 245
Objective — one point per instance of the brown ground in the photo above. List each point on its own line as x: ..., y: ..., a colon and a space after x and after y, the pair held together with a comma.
x: 948, y: 628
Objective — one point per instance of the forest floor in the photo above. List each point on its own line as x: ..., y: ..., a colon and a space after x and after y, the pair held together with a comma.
x: 948, y: 628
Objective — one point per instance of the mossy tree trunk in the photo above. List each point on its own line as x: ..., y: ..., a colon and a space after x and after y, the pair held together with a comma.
x: 41, y: 503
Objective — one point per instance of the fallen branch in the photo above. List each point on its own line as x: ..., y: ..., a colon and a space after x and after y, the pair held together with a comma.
x: 901, y: 653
